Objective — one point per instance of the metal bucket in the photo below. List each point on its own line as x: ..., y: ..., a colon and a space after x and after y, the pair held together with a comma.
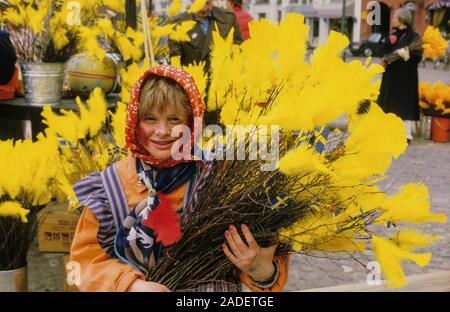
x: 425, y: 127
x: 43, y: 83
x: 14, y: 280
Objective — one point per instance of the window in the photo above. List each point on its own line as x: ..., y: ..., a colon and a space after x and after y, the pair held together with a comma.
x: 315, y: 27
x: 262, y: 1
x: 280, y: 14
x: 261, y: 15
x: 293, y: 1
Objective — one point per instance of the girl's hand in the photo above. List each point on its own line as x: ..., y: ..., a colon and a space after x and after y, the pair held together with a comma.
x: 256, y: 261
x: 143, y: 286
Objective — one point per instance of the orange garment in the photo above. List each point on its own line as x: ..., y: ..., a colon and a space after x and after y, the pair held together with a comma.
x: 8, y: 90
x: 100, y: 272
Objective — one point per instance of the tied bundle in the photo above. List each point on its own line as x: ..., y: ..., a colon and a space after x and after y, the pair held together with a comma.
x: 26, y: 184
x: 293, y: 189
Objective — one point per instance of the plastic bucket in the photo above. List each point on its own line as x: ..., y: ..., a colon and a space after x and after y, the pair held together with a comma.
x: 440, y: 128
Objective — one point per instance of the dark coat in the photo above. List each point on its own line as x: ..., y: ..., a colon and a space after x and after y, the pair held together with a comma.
x: 199, y: 47
x: 399, y: 91
x: 7, y: 58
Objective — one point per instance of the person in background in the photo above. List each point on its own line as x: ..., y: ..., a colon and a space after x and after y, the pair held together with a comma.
x: 243, y: 17
x: 209, y: 19
x: 399, y: 87
x: 198, y: 49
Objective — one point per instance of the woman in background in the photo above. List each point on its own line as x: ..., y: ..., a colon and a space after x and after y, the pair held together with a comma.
x: 399, y: 92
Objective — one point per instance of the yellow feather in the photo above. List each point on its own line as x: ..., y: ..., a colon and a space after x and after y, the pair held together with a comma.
x: 410, y: 240
x: 175, y: 8
x: 375, y: 139
x: 301, y: 160
x: 181, y: 32
x: 14, y: 209
x: 410, y: 205
x: 197, y: 6
x: 389, y: 255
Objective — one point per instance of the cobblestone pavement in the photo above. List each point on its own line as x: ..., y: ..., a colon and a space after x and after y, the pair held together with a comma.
x: 423, y: 161
x: 426, y: 72
x: 45, y: 270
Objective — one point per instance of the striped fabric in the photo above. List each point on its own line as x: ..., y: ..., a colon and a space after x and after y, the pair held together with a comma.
x: 91, y: 193
x: 116, y: 195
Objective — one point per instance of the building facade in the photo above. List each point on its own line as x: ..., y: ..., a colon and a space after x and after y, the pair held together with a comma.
x: 388, y: 7
x: 325, y: 15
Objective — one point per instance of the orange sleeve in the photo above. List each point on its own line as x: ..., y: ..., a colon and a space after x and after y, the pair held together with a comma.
x: 99, y: 272
x: 283, y: 266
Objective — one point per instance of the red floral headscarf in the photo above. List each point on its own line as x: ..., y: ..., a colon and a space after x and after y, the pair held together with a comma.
x: 186, y: 81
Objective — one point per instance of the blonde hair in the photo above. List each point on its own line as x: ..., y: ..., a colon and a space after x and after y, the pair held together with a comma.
x: 158, y: 92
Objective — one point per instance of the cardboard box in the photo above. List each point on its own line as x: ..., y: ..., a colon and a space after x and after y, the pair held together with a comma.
x: 57, y: 230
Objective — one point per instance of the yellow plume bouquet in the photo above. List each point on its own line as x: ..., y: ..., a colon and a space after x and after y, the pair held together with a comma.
x: 434, y: 45
x: 434, y: 100
x: 27, y: 177
x: 47, y: 31
x: 85, y: 142
x: 316, y: 197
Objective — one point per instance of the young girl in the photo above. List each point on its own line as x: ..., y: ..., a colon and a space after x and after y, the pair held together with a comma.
x: 112, y: 244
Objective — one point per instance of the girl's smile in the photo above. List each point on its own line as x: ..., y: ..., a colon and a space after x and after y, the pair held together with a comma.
x: 155, y: 131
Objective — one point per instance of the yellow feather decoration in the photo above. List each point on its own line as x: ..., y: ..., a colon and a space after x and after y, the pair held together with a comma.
x: 410, y: 205
x: 175, y: 8
x: 197, y: 6
x: 14, y: 209
x: 390, y: 255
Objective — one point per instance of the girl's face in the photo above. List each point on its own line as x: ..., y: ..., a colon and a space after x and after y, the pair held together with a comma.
x: 155, y: 131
